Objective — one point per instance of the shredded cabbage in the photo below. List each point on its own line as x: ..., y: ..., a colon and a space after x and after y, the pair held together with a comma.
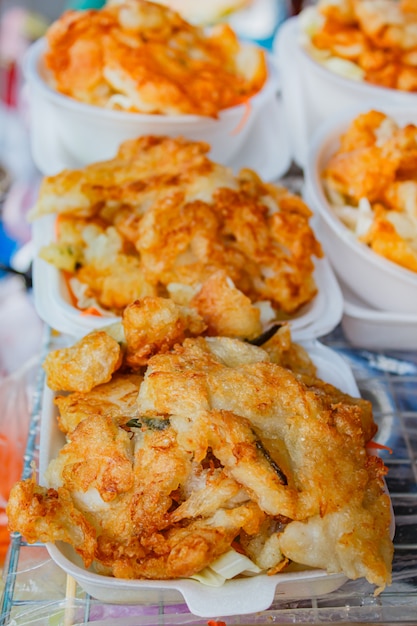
x: 227, y: 566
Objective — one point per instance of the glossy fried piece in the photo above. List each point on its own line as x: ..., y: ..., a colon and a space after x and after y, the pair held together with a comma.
x: 98, y: 456
x: 386, y: 23
x: 90, y: 362
x: 334, y: 538
x: 42, y: 514
x: 362, y: 173
x: 247, y: 390
x: 225, y: 309
x: 154, y: 325
x: 116, y: 398
x: 142, y: 170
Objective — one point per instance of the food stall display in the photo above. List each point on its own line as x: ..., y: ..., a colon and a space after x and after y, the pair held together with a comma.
x: 225, y: 261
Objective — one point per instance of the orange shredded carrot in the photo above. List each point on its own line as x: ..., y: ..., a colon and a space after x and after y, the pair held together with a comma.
x: 213, y: 622
x: 244, y: 120
x: 378, y: 446
x: 91, y: 310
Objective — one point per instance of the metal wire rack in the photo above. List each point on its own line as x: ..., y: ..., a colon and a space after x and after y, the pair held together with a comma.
x: 37, y: 592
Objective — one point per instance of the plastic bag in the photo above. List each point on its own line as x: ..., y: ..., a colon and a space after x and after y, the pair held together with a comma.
x: 16, y: 391
x: 20, y: 344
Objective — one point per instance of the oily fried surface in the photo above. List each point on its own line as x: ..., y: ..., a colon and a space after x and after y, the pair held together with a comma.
x: 143, y: 57
x: 116, y: 398
x: 371, y: 183
x: 219, y: 443
x: 371, y: 40
x: 231, y: 244
x: 85, y: 365
x: 154, y: 325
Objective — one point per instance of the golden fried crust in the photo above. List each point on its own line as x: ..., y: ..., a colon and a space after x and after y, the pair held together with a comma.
x: 98, y: 456
x: 88, y: 363
x: 224, y: 443
x: 292, y: 356
x: 117, y: 398
x: 304, y: 419
x: 153, y: 59
x: 343, y: 405
x: 225, y: 309
x: 155, y: 325
x: 42, y: 514
x: 162, y: 194
x: 161, y: 467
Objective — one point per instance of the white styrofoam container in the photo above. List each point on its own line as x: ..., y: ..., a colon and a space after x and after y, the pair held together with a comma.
x: 238, y: 596
x: 66, y: 133
x: 369, y: 328
x: 54, y: 306
x: 382, y: 284
x: 311, y: 93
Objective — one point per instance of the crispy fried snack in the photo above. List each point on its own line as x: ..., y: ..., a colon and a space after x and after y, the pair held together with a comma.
x: 154, y: 325
x: 226, y: 445
x: 375, y: 39
x: 142, y: 57
x: 90, y: 362
x: 116, y: 398
x: 371, y: 183
x: 162, y: 219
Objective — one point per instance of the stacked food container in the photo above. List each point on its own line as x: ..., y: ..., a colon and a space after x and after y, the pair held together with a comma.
x: 327, y: 84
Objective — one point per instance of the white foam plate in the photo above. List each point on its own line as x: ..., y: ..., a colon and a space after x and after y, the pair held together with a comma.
x: 239, y: 596
x: 54, y: 306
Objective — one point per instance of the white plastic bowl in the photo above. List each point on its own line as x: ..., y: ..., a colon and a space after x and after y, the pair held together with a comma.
x: 377, y: 330
x: 380, y: 283
x: 83, y: 133
x: 312, y: 93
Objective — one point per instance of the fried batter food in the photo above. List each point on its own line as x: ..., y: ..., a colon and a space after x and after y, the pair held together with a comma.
x: 142, y: 57
x: 116, y: 398
x: 162, y: 219
x: 372, y: 40
x: 156, y: 324
x: 85, y: 365
x: 222, y: 444
x: 371, y: 184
